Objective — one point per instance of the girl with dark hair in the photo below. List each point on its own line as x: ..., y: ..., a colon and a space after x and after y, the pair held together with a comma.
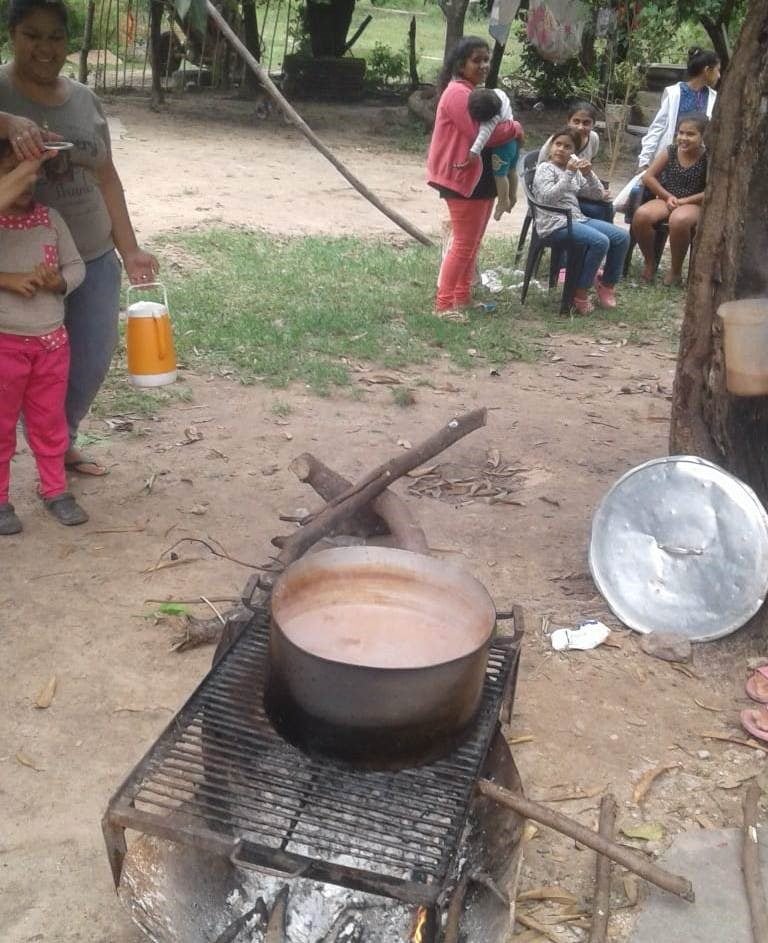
x: 559, y: 181
x: 467, y: 187
x: 581, y: 118
x: 39, y: 105
x: 676, y: 178
x: 697, y: 94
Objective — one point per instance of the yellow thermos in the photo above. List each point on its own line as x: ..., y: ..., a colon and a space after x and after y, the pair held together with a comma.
x: 151, y: 355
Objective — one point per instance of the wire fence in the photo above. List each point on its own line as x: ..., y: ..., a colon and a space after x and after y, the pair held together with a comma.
x: 120, y: 58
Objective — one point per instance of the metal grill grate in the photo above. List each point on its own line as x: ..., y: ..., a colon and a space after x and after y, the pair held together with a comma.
x: 221, y: 777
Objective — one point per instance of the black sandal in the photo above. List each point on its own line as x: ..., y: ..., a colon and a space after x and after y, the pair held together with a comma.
x: 9, y: 522
x: 65, y: 509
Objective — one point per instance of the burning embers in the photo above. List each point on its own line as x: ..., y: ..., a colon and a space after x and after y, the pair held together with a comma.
x: 421, y: 921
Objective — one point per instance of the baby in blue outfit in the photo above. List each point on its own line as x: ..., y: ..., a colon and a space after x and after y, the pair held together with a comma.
x: 489, y: 106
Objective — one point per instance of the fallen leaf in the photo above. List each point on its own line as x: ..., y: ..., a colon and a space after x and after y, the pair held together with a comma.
x: 23, y: 760
x: 493, y: 458
x: 529, y: 831
x: 148, y: 484
x: 708, y: 707
x: 646, y: 831
x: 192, y: 434
x: 198, y: 509
x: 405, y: 443
x: 548, y: 892
x: 552, y: 501
x: 647, y: 780
x: 45, y: 698
x: 422, y: 471
x: 631, y: 889
x: 119, y: 425
x: 384, y: 379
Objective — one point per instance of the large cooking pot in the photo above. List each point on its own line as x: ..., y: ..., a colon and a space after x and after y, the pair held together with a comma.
x: 377, y: 656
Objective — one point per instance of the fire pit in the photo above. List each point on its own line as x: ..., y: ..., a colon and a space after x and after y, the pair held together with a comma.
x: 246, y: 838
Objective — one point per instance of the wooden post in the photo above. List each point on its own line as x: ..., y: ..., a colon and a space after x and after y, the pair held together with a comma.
x: 87, y: 42
x: 414, y: 72
x: 293, y: 116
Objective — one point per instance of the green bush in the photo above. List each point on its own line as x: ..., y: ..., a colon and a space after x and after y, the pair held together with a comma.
x: 385, y: 67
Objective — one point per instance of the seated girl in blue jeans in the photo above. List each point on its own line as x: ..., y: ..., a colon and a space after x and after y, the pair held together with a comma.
x: 558, y: 183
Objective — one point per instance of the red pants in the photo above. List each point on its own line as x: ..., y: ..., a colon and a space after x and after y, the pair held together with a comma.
x: 468, y: 221
x: 33, y: 383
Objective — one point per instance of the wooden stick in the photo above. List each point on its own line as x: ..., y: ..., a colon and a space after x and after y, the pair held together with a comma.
x: 388, y: 507
x: 274, y: 93
x: 372, y: 484
x: 601, y: 905
x: 329, y: 484
x: 455, y: 910
x: 611, y: 849
x: 750, y: 866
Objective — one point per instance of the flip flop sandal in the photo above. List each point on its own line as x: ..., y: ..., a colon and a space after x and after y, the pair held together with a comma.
x: 751, y: 717
x: 9, y: 523
x: 65, y: 509
x: 456, y: 317
x: 79, y: 467
x: 754, y: 683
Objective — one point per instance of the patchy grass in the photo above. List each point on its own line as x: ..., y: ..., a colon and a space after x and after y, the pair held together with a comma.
x: 282, y: 310
x: 119, y: 398
x: 309, y: 309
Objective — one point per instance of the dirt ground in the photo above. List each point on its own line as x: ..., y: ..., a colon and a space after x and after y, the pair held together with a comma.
x: 74, y: 603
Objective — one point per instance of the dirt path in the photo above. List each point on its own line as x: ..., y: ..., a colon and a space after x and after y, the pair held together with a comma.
x: 74, y: 603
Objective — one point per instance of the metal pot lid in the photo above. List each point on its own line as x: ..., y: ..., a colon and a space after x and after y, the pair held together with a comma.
x: 680, y: 545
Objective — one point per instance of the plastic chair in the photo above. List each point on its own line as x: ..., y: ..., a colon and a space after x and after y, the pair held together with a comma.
x: 574, y: 252
x: 530, y: 160
x: 661, y: 228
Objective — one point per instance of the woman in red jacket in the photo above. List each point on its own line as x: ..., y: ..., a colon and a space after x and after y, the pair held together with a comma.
x: 467, y: 187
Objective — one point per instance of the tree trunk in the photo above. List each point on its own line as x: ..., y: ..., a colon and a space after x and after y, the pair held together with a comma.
x: 729, y: 262
x: 718, y: 33
x: 158, y: 65
x: 252, y: 41
x: 455, y: 11
x: 328, y: 25
x: 496, y: 56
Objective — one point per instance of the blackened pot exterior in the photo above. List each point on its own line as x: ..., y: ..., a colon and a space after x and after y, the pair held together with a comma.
x: 379, y: 717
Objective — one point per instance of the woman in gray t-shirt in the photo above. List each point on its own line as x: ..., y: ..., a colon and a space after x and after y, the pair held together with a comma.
x: 39, y: 104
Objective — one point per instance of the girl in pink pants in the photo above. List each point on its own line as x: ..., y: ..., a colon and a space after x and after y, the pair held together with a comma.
x: 39, y: 266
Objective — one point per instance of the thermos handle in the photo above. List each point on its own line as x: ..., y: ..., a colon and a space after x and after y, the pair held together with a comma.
x: 159, y: 334
x: 143, y: 287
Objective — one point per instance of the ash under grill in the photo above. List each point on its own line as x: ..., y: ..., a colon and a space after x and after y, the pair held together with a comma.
x: 221, y: 779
